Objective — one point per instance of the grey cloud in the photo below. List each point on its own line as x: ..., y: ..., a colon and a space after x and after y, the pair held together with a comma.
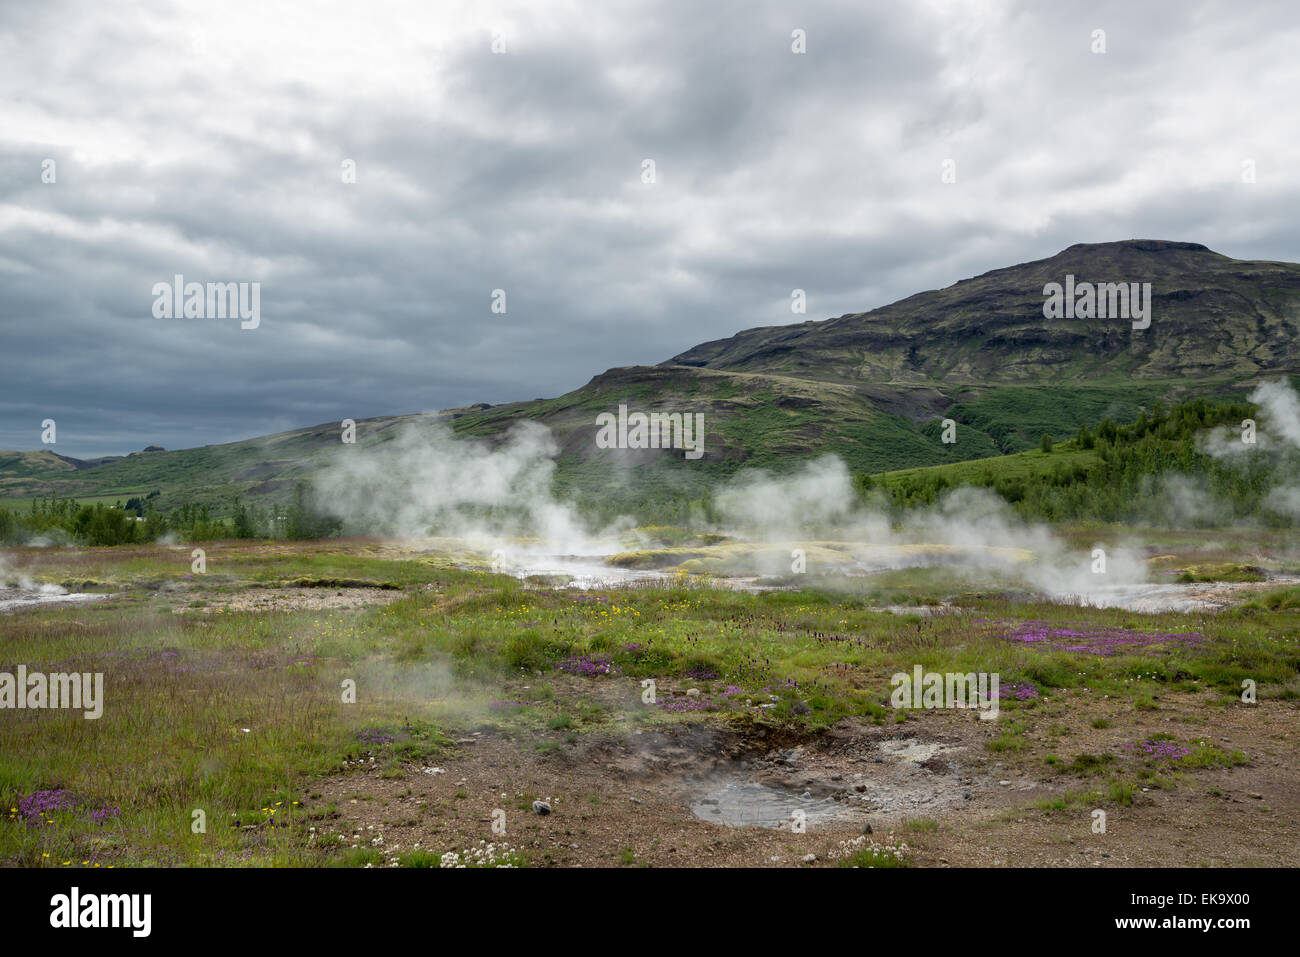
x: 521, y: 171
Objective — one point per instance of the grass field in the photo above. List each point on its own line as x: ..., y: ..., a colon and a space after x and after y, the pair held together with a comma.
x: 225, y: 695
x: 1018, y: 465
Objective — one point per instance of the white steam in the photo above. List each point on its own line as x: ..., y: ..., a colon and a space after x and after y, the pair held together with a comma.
x: 1276, y: 444
x: 425, y: 482
x: 16, y: 578
x: 1281, y: 408
x: 977, y: 528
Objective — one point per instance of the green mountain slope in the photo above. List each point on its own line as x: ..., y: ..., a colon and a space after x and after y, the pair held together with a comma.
x: 870, y: 387
x: 1211, y: 317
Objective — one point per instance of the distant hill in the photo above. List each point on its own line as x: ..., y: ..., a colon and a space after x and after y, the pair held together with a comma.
x: 1212, y: 317
x: 871, y: 387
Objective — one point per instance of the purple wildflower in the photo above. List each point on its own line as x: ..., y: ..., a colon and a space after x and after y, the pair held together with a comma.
x: 37, y: 806
x: 684, y: 703
x: 1020, y: 690
x: 702, y: 673
x: 1158, y: 748
x: 1096, y: 640
x: 585, y: 665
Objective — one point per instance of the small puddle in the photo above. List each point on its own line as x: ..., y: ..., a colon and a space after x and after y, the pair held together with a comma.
x: 589, y: 572
x: 1175, y: 596
x: 585, y: 573
x: 897, y: 776
x: 12, y: 599
x: 741, y: 803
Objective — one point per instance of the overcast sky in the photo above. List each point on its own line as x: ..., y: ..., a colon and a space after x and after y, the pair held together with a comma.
x: 208, y: 139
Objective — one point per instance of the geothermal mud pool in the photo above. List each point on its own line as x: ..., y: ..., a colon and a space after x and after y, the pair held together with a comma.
x: 12, y: 599
x: 591, y: 573
x: 892, y: 777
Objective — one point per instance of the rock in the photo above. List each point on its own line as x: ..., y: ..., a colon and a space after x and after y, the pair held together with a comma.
x: 541, y: 807
x: 1257, y: 797
x: 866, y: 829
x: 1004, y: 783
x: 809, y: 858
x: 807, y: 795
x: 859, y: 788
x: 800, y: 707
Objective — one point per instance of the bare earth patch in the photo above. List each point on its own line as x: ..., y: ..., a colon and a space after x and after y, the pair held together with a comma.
x: 651, y: 797
x: 292, y: 599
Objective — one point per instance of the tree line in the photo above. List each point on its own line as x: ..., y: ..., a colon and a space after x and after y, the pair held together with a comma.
x: 1158, y: 468
x: 143, y: 519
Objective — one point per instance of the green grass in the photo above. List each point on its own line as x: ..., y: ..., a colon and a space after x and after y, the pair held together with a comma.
x: 1281, y: 599
x: 419, y: 858
x: 461, y: 651
x: 755, y: 420
x: 874, y: 857
x: 1019, y: 465
x: 1069, y: 801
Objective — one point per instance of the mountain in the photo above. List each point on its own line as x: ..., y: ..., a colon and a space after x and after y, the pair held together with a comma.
x: 870, y: 387
x: 1211, y: 316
